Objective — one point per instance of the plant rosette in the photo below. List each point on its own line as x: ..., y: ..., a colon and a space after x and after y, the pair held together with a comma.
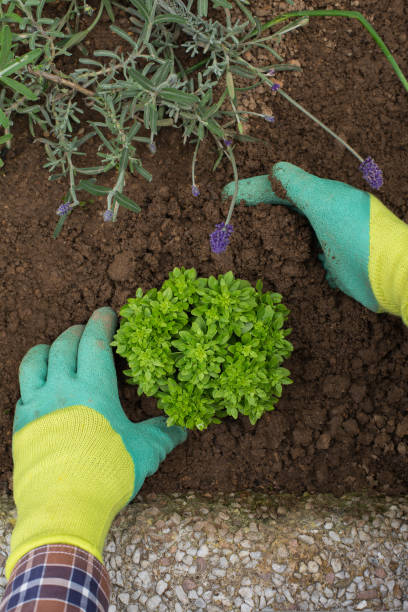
x: 206, y: 348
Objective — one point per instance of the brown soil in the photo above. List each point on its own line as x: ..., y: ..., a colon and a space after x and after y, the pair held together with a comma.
x: 343, y: 424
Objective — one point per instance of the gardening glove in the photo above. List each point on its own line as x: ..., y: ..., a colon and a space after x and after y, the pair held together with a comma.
x: 77, y: 458
x: 365, y: 246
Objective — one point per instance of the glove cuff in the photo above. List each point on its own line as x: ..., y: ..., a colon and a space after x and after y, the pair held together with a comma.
x: 388, y: 261
x: 72, y: 475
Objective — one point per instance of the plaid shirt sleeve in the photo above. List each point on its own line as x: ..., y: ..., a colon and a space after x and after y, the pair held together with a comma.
x: 57, y: 577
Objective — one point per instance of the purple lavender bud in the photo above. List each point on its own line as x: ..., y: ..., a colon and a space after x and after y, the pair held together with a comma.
x: 219, y: 239
x: 371, y: 173
x: 227, y: 142
x: 195, y: 190
x: 275, y: 87
x: 271, y: 72
x: 64, y: 209
x: 152, y: 147
x: 108, y: 215
x: 269, y: 118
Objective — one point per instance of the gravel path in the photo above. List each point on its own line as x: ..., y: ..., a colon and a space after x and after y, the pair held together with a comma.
x: 248, y: 552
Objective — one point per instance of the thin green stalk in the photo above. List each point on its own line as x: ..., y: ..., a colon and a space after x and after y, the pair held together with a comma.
x: 322, y: 125
x: 351, y: 15
x: 231, y: 157
x: 193, y: 164
x: 306, y: 112
x: 72, y: 191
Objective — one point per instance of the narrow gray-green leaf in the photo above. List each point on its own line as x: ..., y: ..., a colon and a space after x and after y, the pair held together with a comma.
x: 92, y: 188
x: 126, y: 202
x: 168, y: 18
x: 123, y: 35
x: 230, y: 85
x: 202, y: 8
x: 5, y: 45
x: 19, y: 87
x: 179, y: 97
x: 59, y: 225
x: 5, y: 138
x: 19, y: 62
x: 3, y: 120
x: 141, y: 80
x: 108, y: 6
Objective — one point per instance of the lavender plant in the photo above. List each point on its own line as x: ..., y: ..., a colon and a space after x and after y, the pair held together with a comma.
x: 145, y: 82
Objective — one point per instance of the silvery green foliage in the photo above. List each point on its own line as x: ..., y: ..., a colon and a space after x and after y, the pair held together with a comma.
x: 141, y: 83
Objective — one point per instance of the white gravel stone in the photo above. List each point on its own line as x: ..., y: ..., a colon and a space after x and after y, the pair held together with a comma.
x: 246, y: 592
x: 313, y: 567
x: 246, y: 608
x: 220, y: 573
x: 306, y: 539
x: 136, y: 556
x: 207, y: 596
x: 288, y: 595
x: 200, y: 603
x: 278, y: 567
x: 180, y: 594
x: 153, y: 603
x: 161, y: 586
x: 203, y: 551
x: 361, y: 605
x: 334, y: 536
x: 145, y: 579
x: 269, y: 593
x: 336, y: 565
x: 110, y: 547
x: 124, y: 598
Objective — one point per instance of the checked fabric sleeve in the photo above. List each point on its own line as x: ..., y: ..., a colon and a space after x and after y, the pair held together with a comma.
x: 57, y: 577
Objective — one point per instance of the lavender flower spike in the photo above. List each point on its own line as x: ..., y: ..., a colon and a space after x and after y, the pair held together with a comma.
x: 108, y: 215
x: 195, y: 190
x: 372, y: 173
x: 64, y: 209
x: 269, y: 118
x: 275, y: 87
x: 227, y: 142
x: 219, y: 239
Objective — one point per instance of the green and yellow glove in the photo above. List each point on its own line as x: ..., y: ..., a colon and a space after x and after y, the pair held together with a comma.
x: 77, y: 458
x: 365, y: 246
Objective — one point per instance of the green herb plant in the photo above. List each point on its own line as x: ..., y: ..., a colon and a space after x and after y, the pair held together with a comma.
x: 148, y: 81
x: 207, y: 348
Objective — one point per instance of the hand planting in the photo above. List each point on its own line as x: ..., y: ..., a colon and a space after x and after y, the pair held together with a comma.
x: 207, y: 348
x: 147, y: 81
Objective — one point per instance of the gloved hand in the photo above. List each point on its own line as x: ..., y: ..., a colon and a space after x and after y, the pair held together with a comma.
x: 77, y: 458
x: 365, y: 246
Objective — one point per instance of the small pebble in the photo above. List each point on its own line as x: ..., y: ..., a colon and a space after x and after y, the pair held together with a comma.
x: 153, y: 603
x: 161, y: 586
x: 313, y: 567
